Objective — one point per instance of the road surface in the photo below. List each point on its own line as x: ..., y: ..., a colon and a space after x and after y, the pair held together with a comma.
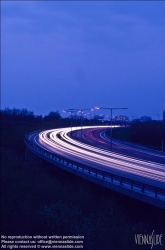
x: 90, y: 147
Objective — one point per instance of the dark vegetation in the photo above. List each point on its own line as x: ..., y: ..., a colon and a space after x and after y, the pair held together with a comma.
x: 46, y: 201
x: 150, y: 134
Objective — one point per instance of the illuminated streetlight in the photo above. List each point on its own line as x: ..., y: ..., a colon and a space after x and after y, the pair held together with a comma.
x: 80, y: 111
x: 70, y: 112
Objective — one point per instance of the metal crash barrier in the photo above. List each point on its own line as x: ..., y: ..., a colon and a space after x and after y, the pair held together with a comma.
x: 135, y: 189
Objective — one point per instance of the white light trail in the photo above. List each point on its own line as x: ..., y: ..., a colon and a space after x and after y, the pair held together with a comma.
x: 102, y: 158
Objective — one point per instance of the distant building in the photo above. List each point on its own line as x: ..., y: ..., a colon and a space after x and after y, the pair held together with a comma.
x: 145, y: 118
x: 98, y: 117
x: 121, y: 118
x: 164, y: 115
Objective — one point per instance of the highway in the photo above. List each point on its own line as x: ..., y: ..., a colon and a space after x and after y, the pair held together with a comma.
x: 91, y: 147
x: 97, y: 137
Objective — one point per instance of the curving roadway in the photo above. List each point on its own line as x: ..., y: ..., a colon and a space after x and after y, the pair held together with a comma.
x: 90, y: 146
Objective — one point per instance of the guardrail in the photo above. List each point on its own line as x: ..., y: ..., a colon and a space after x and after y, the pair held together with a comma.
x: 117, y: 180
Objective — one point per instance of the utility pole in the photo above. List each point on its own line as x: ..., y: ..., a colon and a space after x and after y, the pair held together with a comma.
x: 111, y: 118
x: 80, y: 110
x: 71, y: 116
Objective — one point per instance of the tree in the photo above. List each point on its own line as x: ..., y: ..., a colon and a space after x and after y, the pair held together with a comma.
x: 53, y: 116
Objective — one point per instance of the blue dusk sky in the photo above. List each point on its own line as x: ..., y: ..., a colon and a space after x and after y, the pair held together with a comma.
x: 79, y: 54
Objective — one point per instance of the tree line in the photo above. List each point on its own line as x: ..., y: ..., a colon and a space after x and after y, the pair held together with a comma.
x: 53, y: 119
x: 149, y: 133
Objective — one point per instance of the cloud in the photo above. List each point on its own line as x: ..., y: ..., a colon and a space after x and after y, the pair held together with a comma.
x: 113, y: 30
x: 83, y: 48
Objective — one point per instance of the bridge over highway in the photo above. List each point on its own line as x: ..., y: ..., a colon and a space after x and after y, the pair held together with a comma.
x: 129, y: 169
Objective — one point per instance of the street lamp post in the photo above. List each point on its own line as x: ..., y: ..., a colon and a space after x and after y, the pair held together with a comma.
x: 111, y: 129
x: 111, y: 118
x: 80, y: 110
x: 71, y: 112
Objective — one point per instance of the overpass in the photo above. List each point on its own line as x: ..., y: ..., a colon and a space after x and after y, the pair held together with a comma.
x: 85, y: 153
